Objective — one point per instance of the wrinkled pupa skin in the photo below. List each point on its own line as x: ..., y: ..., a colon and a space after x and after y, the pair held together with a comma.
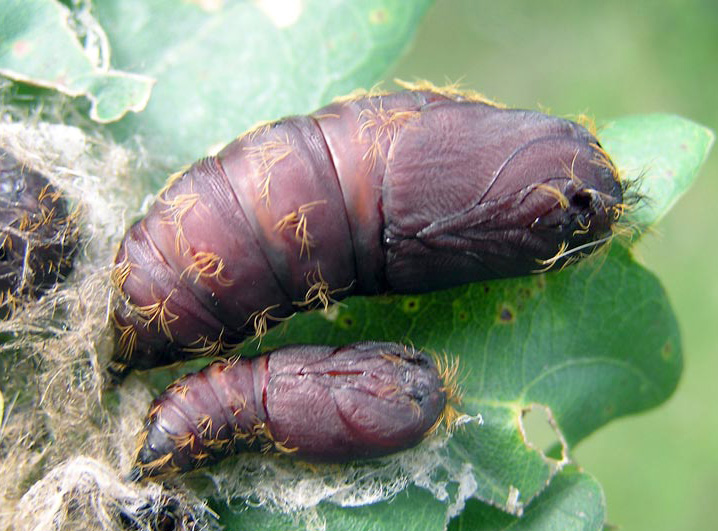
x: 405, y: 192
x: 38, y: 235
x: 314, y: 403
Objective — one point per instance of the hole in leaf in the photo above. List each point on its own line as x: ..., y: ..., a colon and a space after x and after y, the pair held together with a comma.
x: 537, y: 428
x: 540, y: 431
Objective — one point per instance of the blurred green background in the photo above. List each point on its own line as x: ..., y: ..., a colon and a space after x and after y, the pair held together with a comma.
x: 612, y: 58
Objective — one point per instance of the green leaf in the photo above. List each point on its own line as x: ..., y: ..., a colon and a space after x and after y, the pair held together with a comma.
x: 40, y: 46
x: 574, y: 500
x: 661, y: 154
x: 222, y: 71
x: 411, y: 509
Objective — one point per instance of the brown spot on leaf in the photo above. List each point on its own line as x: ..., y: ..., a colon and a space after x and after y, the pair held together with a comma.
x: 411, y: 304
x: 378, y: 16
x: 525, y: 293
x: 346, y: 321
x: 667, y: 351
x: 506, y: 315
x: 540, y: 282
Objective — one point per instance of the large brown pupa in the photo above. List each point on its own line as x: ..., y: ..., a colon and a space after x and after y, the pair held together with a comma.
x: 316, y: 403
x: 404, y: 192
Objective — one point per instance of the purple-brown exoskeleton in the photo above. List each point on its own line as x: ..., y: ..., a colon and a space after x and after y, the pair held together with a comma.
x: 38, y: 234
x: 315, y: 403
x: 403, y: 192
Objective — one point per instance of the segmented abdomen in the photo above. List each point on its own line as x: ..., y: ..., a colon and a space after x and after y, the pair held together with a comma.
x: 314, y: 403
x: 38, y: 234
x: 406, y: 192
